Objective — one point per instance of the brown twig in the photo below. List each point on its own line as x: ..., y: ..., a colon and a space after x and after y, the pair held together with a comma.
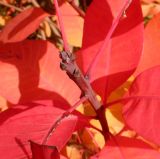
x: 69, y: 65
x: 11, y: 6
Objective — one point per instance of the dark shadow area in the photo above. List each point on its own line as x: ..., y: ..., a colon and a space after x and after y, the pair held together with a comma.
x: 25, y: 57
x: 16, y: 141
x: 24, y: 23
x: 19, y: 140
x: 118, y: 50
x: 18, y: 109
x: 108, y: 84
x: 103, y: 22
x: 100, y: 24
x: 133, y: 18
x: 44, y: 151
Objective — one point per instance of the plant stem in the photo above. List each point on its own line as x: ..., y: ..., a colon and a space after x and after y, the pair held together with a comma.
x: 83, y: 99
x: 106, y: 40
x: 69, y: 65
x: 66, y: 46
x: 60, y: 118
x: 102, y: 118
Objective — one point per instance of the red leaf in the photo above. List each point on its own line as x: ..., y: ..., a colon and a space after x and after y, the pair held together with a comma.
x: 20, y: 27
x: 120, y: 57
x: 32, y: 122
x: 151, y: 55
x: 31, y: 71
x: 127, y: 148
x: 63, y: 132
x: 142, y: 109
x: 44, y: 151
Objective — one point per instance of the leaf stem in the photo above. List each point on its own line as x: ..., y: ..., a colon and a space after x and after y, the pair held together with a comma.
x: 102, y: 118
x: 83, y: 99
x: 106, y: 41
x: 60, y: 118
x: 66, y: 46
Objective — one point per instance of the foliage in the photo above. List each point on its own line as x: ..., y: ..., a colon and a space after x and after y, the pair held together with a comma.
x: 98, y: 98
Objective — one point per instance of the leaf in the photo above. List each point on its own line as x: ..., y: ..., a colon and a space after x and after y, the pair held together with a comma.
x: 65, y: 128
x: 142, y: 105
x: 22, y: 123
x: 150, y: 56
x: 73, y: 24
x: 120, y: 57
x: 24, y: 24
x: 127, y: 148
x: 31, y: 71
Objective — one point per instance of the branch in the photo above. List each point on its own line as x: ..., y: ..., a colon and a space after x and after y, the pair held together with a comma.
x: 69, y: 65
